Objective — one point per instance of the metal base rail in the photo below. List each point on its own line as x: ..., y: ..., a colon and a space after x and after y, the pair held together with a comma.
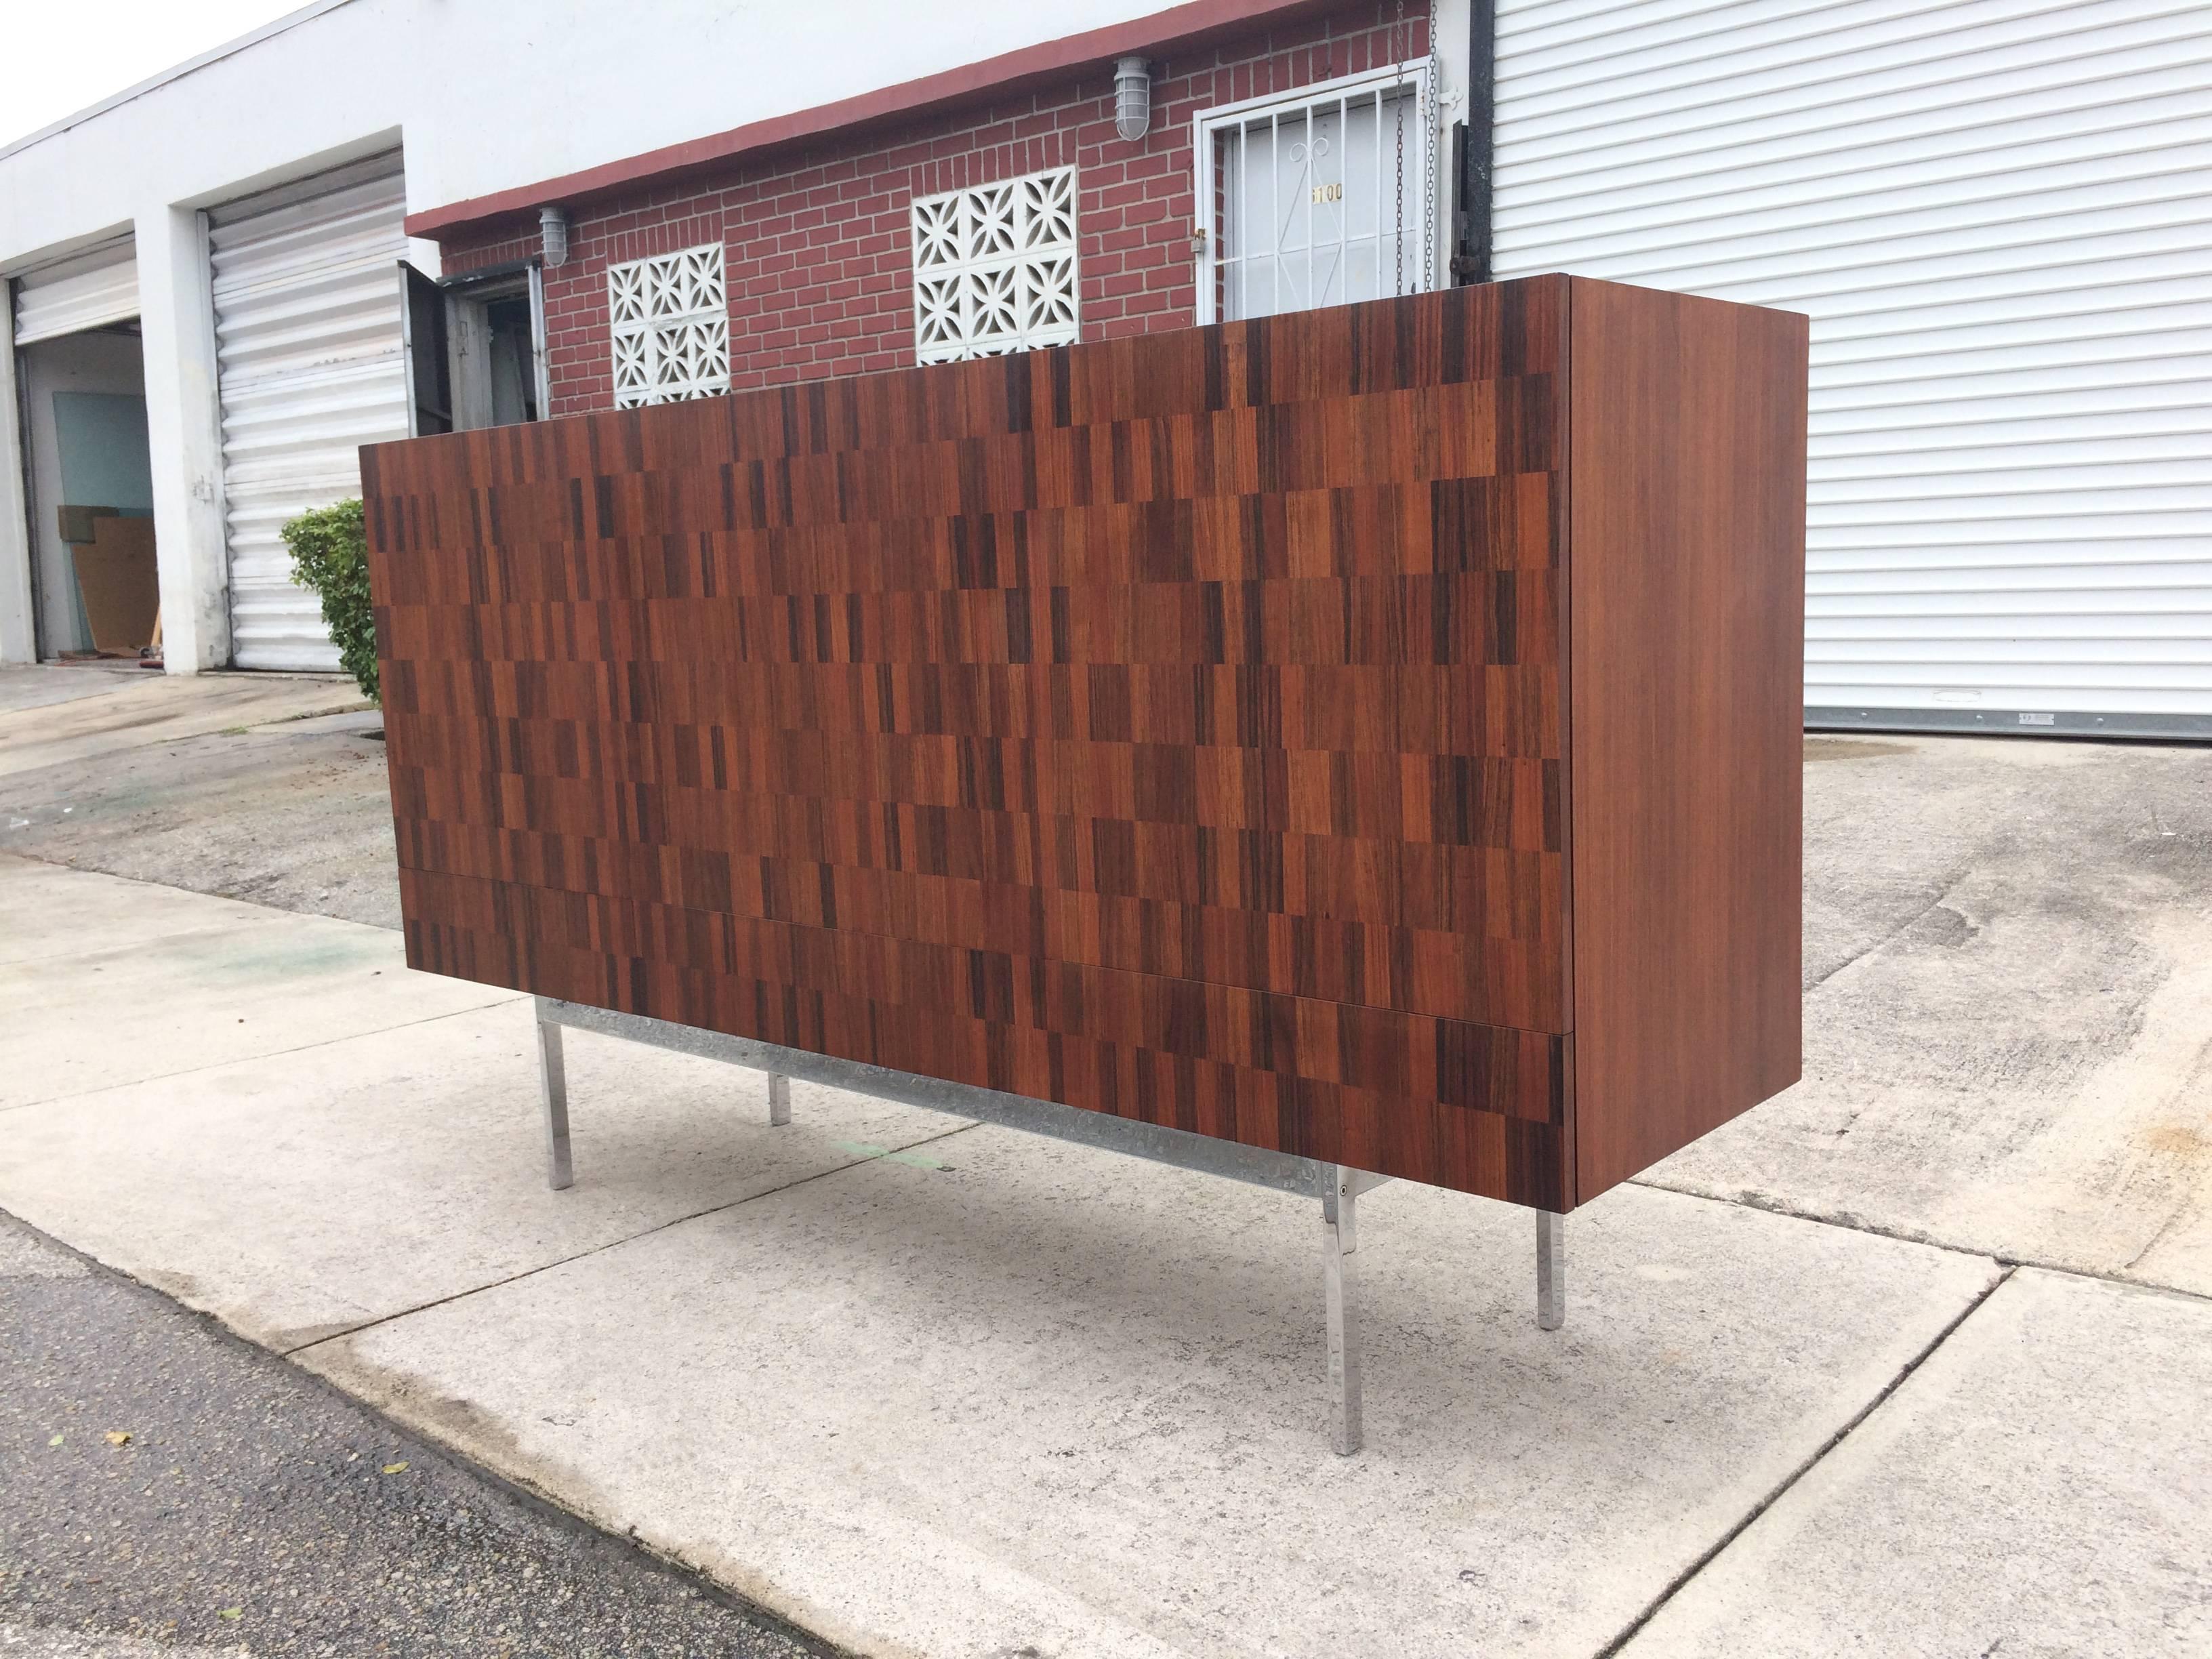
x: 1337, y: 1186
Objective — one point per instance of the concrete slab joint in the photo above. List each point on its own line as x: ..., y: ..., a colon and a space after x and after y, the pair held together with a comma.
x: 2007, y: 1498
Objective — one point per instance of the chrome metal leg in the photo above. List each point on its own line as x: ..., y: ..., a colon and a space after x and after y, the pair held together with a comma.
x: 779, y: 1100
x: 1339, y: 1232
x: 1551, y: 1270
x: 553, y: 1084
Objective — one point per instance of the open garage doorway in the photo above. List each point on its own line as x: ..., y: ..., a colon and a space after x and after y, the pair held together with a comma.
x: 89, y: 484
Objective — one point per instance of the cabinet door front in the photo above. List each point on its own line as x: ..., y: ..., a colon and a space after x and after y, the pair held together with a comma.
x: 1168, y: 726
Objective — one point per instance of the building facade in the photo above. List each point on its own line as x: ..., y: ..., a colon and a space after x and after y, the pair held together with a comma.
x: 1998, y: 215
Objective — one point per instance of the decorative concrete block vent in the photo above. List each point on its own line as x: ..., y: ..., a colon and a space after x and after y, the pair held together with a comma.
x: 994, y: 268
x: 671, y: 322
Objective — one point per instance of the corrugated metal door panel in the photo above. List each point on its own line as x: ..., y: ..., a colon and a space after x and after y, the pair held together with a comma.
x: 307, y: 348
x: 92, y: 290
x: 1997, y: 215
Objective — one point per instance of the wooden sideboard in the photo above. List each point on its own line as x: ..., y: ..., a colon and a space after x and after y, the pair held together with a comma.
x: 1370, y: 733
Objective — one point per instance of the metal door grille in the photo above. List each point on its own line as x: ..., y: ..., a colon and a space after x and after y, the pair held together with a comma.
x: 1305, y: 201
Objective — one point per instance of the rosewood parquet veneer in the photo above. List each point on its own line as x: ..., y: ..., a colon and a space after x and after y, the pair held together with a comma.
x: 1370, y: 733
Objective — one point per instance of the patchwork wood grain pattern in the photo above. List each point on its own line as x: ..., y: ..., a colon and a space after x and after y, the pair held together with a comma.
x: 1183, y: 727
x: 1169, y: 726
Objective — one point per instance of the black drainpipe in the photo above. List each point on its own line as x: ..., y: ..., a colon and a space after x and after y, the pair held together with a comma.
x: 1475, y: 148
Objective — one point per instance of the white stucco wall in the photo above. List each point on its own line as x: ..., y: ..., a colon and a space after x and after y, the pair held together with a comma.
x: 486, y: 95
x: 490, y: 96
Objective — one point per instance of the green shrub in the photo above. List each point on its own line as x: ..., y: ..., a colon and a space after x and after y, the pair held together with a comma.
x: 330, y: 556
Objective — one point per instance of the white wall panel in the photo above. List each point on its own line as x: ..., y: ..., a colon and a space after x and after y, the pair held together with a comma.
x: 1998, y: 215
x: 309, y: 364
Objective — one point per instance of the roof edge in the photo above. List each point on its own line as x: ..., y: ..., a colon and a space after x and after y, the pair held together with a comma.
x: 1172, y: 29
x: 290, y: 20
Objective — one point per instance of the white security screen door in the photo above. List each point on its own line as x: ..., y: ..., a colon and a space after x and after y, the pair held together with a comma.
x: 1319, y: 199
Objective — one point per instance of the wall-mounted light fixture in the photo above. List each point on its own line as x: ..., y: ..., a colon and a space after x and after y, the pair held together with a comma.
x: 1132, y: 98
x: 553, y: 230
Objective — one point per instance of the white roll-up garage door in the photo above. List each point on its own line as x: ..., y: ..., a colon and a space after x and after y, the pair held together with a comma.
x: 93, y: 290
x: 1999, y: 217
x: 307, y: 342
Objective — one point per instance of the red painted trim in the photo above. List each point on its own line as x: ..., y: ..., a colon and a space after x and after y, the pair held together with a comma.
x: 1179, y: 27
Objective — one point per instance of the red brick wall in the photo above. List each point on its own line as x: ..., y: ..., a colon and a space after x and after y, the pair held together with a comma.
x: 817, y: 243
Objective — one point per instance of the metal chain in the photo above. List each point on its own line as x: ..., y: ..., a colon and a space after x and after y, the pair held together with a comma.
x: 1400, y: 46
x: 1430, y: 134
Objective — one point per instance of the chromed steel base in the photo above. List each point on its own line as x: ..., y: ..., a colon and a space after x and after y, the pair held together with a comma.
x: 553, y: 1084
x: 1551, y: 1270
x: 1337, y: 1186
x: 1339, y: 1209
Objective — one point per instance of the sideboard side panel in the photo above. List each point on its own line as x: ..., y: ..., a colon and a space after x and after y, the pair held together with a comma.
x: 1687, y: 605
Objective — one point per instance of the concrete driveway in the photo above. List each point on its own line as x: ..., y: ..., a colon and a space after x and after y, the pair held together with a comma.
x: 50, y: 716
x: 2008, y: 1007
x: 1915, y: 1358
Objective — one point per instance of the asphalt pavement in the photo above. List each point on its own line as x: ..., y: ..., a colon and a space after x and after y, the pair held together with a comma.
x: 167, y: 1489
